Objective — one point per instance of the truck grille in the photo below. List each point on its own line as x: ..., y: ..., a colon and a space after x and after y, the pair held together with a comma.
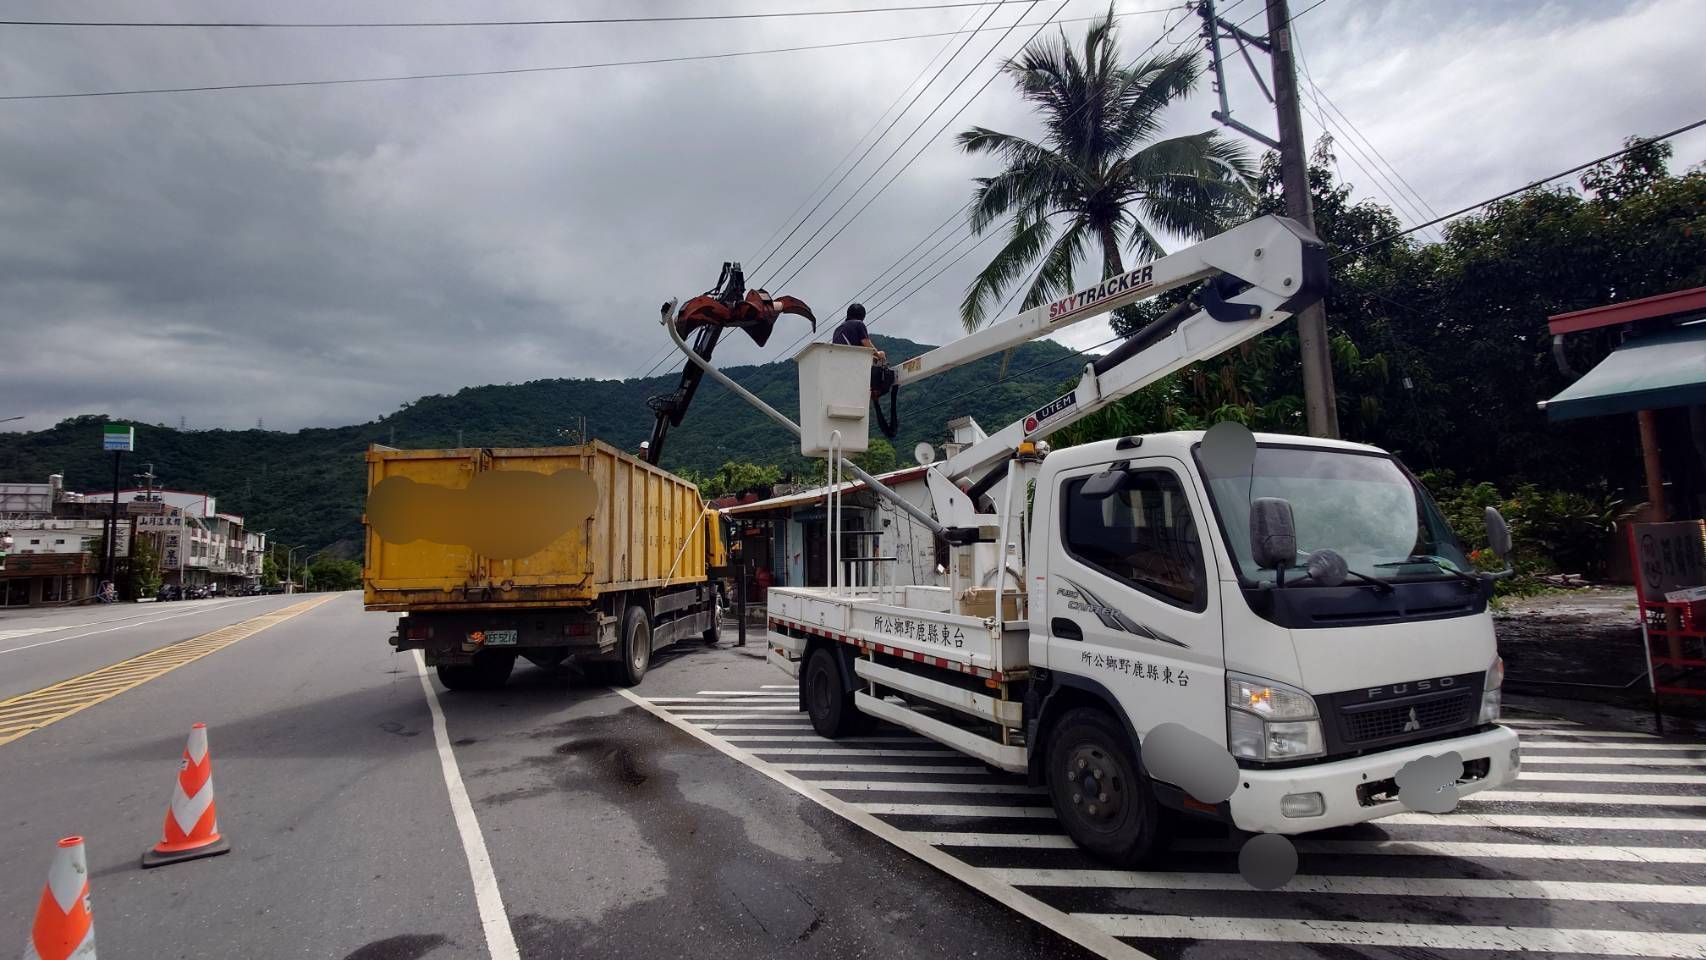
x: 1364, y: 724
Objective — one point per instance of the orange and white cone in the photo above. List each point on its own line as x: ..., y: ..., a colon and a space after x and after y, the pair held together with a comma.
x: 64, y: 927
x: 192, y: 823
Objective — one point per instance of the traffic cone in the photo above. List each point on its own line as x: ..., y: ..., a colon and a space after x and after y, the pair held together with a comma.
x: 64, y: 927
x: 192, y: 824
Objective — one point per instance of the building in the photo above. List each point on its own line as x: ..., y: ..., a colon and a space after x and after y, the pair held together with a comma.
x: 785, y: 537
x: 53, y: 560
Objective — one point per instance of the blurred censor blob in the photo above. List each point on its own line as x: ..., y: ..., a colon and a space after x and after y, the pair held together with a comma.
x: 502, y: 514
x: 1429, y: 784
x: 1267, y: 861
x: 1176, y: 754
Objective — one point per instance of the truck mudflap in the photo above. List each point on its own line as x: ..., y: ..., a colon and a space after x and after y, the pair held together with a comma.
x: 1364, y: 788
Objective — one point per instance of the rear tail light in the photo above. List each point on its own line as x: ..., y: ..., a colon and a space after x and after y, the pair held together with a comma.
x: 418, y: 633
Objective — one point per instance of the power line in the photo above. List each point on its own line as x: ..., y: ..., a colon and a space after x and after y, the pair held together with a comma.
x: 892, y: 123
x: 1637, y: 145
x: 577, y: 21
x: 898, y: 148
x: 490, y: 73
x: 663, y: 356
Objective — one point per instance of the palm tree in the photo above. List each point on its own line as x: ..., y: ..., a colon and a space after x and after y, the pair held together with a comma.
x: 1098, y: 167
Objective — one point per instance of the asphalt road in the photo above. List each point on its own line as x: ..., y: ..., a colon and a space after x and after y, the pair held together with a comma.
x: 706, y: 821
x: 611, y: 834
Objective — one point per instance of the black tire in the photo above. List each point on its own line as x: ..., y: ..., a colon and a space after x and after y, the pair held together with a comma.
x: 1121, y: 821
x: 829, y: 706
x: 714, y: 632
x: 489, y: 671
x: 635, y: 649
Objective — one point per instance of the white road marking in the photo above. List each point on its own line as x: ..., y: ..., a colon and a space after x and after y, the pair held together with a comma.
x: 740, y: 693
x: 712, y: 700
x: 814, y: 738
x: 1078, y: 931
x: 137, y: 615
x: 1629, y: 799
x: 779, y: 686
x: 1686, y: 824
x: 500, y: 939
x: 123, y: 626
x: 1359, y: 885
x: 956, y: 810
x: 1578, y: 776
x: 851, y: 752
x: 1567, y: 745
x: 1471, y: 851
x: 1543, y: 759
x: 1433, y: 936
x: 1018, y: 841
x: 1589, y: 734
x: 909, y: 786
x: 879, y: 768
x: 1530, y: 722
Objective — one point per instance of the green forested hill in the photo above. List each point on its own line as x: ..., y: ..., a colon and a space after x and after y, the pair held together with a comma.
x: 307, y: 486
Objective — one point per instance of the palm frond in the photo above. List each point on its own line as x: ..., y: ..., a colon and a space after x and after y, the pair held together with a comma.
x: 1029, y: 236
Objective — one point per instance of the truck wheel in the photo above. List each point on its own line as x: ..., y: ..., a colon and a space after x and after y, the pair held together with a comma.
x: 830, y: 707
x: 489, y: 671
x: 1101, y: 794
x: 635, y: 648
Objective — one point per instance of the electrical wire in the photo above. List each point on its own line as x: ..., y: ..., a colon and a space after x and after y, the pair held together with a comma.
x: 513, y: 71
x: 1637, y: 145
x: 577, y: 21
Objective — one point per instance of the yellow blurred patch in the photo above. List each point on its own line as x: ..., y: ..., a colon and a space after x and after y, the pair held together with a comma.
x: 502, y: 514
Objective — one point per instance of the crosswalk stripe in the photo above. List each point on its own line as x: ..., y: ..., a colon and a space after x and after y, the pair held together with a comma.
x: 691, y: 703
x: 1589, y: 734
x: 877, y: 768
x: 695, y: 710
x: 1535, y: 722
x: 908, y: 786
x: 720, y: 716
x: 1374, y: 886
x: 955, y: 810
x: 779, y: 686
x: 1451, y: 848
x: 1533, y: 822
x: 1577, y: 775
x: 789, y: 726
x: 1543, y: 759
x: 848, y: 751
x: 1019, y: 841
x: 789, y: 692
x: 814, y: 738
x: 1546, y: 796
x: 1435, y: 936
x: 1567, y: 745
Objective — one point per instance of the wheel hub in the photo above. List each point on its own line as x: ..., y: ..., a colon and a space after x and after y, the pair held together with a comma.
x: 1095, y: 789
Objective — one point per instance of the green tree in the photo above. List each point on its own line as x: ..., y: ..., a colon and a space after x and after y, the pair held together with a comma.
x: 270, y: 574
x: 879, y: 457
x: 331, y: 573
x: 1098, y: 166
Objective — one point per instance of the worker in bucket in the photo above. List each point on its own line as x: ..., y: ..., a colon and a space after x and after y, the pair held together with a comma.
x: 852, y: 333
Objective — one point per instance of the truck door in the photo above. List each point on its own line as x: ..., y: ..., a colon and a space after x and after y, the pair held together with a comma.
x: 1131, y: 603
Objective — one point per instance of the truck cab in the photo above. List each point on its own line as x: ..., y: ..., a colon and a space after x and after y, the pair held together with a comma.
x: 1145, y: 600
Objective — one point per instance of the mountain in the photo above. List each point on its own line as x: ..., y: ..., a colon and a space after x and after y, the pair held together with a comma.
x: 307, y: 486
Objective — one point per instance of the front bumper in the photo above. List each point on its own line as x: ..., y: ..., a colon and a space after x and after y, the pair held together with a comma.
x: 1256, y: 803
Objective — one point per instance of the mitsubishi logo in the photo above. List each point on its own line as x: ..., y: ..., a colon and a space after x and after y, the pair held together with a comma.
x: 1414, y: 723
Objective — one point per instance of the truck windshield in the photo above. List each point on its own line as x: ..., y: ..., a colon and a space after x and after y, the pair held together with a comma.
x: 1361, y: 505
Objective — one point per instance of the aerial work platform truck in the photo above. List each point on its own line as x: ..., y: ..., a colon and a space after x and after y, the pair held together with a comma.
x: 1295, y: 611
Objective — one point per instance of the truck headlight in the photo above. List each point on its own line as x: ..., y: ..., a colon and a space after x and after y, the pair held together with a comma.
x: 1490, y: 693
x: 1270, y: 721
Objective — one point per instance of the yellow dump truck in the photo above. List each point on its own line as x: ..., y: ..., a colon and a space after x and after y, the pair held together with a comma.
x: 545, y: 553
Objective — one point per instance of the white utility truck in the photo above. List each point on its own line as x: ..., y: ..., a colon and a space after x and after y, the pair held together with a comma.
x: 1298, y: 603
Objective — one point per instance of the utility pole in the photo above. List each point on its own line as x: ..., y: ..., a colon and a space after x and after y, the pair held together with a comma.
x: 1319, y: 397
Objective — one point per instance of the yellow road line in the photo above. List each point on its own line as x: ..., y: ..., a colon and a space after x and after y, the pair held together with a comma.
x: 29, y: 712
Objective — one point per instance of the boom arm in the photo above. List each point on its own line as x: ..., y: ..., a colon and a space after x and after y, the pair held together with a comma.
x: 1259, y: 273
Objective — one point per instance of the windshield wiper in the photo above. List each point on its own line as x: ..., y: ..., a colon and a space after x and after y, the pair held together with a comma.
x: 1444, y: 565
x: 1380, y: 586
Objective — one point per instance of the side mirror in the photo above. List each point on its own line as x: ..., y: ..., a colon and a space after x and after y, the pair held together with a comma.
x: 1273, y: 536
x: 1499, y: 538
x: 1105, y: 484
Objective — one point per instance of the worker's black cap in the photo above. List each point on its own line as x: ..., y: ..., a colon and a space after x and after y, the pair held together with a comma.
x: 855, y: 311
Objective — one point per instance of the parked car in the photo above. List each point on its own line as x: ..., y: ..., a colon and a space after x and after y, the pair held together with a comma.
x: 168, y: 592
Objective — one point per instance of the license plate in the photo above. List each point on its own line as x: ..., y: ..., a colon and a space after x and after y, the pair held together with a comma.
x: 500, y: 638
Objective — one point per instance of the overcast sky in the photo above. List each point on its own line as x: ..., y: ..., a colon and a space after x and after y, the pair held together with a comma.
x: 320, y: 255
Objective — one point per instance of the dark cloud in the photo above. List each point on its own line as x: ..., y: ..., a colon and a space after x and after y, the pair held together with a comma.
x: 321, y: 255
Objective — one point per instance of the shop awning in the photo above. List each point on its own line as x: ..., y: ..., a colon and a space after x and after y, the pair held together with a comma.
x: 1659, y: 370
